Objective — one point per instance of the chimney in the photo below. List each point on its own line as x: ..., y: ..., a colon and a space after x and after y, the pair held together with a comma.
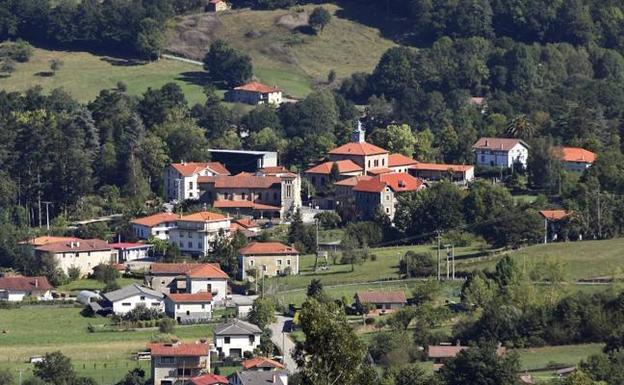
x: 487, y: 143
x: 36, y: 282
x: 501, y: 146
x: 77, y: 244
x: 71, y: 245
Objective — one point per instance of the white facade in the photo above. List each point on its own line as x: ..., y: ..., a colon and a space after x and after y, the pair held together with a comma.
x: 160, y: 231
x: 502, y: 158
x: 17, y: 296
x: 125, y: 305
x: 180, y: 186
x: 183, y: 311
x: 218, y: 287
x: 236, y: 345
x: 196, y: 238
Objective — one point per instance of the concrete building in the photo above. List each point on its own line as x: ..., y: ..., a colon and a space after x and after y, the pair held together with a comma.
x: 28, y: 246
x: 501, y: 152
x: 269, y: 259
x: 254, y: 93
x: 366, y: 155
x: 84, y: 254
x: 131, y: 251
x: 176, y: 363
x: 237, y: 161
x: 195, y: 234
x: 235, y: 337
x: 575, y: 159
x: 157, y: 226
x: 129, y: 297
x: 189, y: 278
x: 400, y: 162
x: 436, y: 171
x: 180, y: 179
x: 14, y: 289
x: 255, y: 377
x: 320, y: 175
x: 381, y: 193
x: 188, y: 307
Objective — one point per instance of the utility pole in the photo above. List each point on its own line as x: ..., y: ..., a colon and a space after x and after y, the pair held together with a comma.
x: 316, y: 223
x: 545, y: 230
x: 39, y: 196
x: 599, y: 217
x: 448, y: 257
x: 47, y: 205
x: 453, y: 256
x: 439, y: 238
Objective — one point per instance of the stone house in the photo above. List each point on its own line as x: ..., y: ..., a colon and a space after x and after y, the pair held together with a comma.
x: 175, y: 363
x: 269, y: 259
x: 382, y: 192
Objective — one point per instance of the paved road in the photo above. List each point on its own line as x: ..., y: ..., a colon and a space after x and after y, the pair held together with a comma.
x: 283, y: 341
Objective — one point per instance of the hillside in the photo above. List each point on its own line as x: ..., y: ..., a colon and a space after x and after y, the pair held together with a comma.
x: 282, y: 54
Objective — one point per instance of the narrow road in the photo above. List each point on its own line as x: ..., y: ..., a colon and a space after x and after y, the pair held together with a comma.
x: 282, y: 340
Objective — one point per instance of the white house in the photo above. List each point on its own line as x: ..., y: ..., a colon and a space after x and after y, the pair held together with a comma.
x: 236, y: 337
x: 84, y: 254
x: 17, y: 288
x: 181, y: 178
x: 196, y: 233
x: 189, y: 278
x: 501, y: 152
x: 129, y: 297
x: 130, y: 251
x: 189, y: 307
x: 157, y: 225
x: 254, y: 93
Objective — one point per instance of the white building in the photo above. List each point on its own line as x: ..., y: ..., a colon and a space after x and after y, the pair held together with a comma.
x: 181, y: 178
x: 189, y: 307
x: 131, y: 251
x: 236, y: 337
x: 501, y: 152
x: 84, y: 254
x: 254, y: 93
x: 196, y: 233
x: 157, y: 226
x: 15, y: 289
x: 176, y: 363
x: 129, y: 297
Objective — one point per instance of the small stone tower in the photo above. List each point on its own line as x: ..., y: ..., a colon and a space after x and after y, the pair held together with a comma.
x: 359, y: 134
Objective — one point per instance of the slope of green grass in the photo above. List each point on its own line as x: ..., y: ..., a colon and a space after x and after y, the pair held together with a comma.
x: 84, y: 75
x: 583, y: 260
x: 539, y: 358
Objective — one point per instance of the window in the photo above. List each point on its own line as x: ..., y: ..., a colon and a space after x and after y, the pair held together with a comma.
x: 155, y: 303
x: 226, y: 340
x: 274, y: 196
x: 387, y: 210
x: 376, y: 162
x: 264, y: 268
x: 178, y: 306
x: 203, y: 306
x: 251, y: 262
x: 190, y: 185
x: 126, y: 304
x: 313, y: 180
x: 190, y: 245
x: 383, y: 162
x: 252, y: 339
x: 369, y: 163
x: 188, y: 312
x: 199, y: 245
x: 167, y: 360
x: 288, y: 262
x: 279, y: 262
x: 142, y: 298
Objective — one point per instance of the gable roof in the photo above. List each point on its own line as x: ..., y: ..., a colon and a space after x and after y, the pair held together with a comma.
x: 554, y: 215
x: 273, y: 170
x: 193, y: 270
x: 247, y: 223
x: 203, y: 216
x: 129, y: 291
x: 261, y: 362
x: 245, y: 180
x: 381, y: 296
x: 75, y: 246
x: 27, y: 284
x: 171, y: 268
x: 260, y: 377
x: 225, y: 204
x: 45, y: 239
x: 130, y: 245
x: 209, y: 379
x: 352, y: 181
x: 444, y: 351
x: 236, y: 327
x: 398, y: 182
x: 156, y: 219
x: 206, y: 270
x: 257, y: 87
x: 441, y: 167
x: 267, y: 248
x: 358, y: 148
x: 344, y: 166
x: 395, y: 160
x: 179, y: 349
x: 575, y: 154
x: 200, y: 297
x: 498, y: 144
x: 192, y: 168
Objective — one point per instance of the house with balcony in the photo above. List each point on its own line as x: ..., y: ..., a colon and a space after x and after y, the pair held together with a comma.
x: 176, y: 363
x: 190, y: 278
x: 157, y: 226
x: 235, y: 337
x: 195, y: 234
x: 180, y: 179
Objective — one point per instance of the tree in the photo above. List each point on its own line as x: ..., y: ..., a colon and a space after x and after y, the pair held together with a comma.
x: 55, y: 65
x: 331, y: 351
x: 411, y: 375
x: 315, y: 288
x: 56, y: 369
x: 135, y: 376
x: 319, y: 18
x: 151, y: 38
x: 477, y: 291
x: 228, y: 65
x: 417, y: 264
x: 6, y: 377
x: 578, y: 377
x: 481, y: 366
x: 166, y: 326
x: 401, y: 139
x: 262, y: 312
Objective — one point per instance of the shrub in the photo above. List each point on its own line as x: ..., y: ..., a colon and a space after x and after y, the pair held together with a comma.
x: 369, y: 321
x: 74, y: 273
x: 166, y: 325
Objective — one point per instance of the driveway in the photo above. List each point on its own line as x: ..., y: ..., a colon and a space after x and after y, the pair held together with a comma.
x: 282, y: 340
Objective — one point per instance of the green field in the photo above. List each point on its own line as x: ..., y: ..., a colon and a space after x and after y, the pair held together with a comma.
x: 92, y: 284
x: 583, y: 260
x: 540, y: 358
x: 84, y: 75
x: 35, y: 330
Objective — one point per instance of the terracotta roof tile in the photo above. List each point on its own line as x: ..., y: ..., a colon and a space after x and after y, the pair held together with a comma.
x: 245, y: 180
x: 179, y: 349
x: 575, y: 154
x: 171, y: 268
x: 344, y: 166
x: 192, y: 168
x: 261, y: 362
x: 209, y: 379
x: 398, y: 182
x: 378, y: 171
x: 395, y: 160
x: 274, y: 170
x: 25, y: 284
x: 203, y: 216
x: 129, y: 245
x: 554, y: 215
x: 243, y: 205
x: 246, y: 222
x: 257, y: 87
x: 359, y: 148
x: 499, y: 144
x: 441, y: 167
x: 156, y: 219
x: 77, y: 246
x: 191, y: 298
x: 381, y: 297
x: 350, y: 182
x: 444, y: 351
x: 206, y: 270
x: 44, y: 240
x: 267, y: 248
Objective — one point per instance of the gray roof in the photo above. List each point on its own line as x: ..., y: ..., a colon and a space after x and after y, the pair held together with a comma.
x: 131, y: 290
x: 236, y: 327
x: 261, y: 377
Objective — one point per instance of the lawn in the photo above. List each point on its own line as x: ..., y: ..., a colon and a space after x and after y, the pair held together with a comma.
x: 84, y: 75
x: 35, y: 330
x: 583, y: 260
x: 93, y: 284
x: 567, y: 355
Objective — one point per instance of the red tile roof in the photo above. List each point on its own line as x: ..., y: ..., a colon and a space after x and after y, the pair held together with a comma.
x: 186, y: 268
x: 129, y: 245
x: 398, y: 182
x: 350, y: 182
x: 77, y: 246
x: 191, y: 298
x: 246, y: 223
x: 203, y: 216
x: 554, y: 215
x: 381, y: 297
x: 500, y: 144
x: 395, y: 160
x: 156, y: 219
x: 257, y: 87
x: 243, y: 205
x: 378, y: 171
x: 344, y: 166
x: 179, y: 349
x: 206, y: 270
x: 575, y: 154
x: 245, y: 180
x: 25, y: 284
x: 267, y: 248
x: 444, y: 351
x: 44, y: 240
x: 261, y: 362
x: 209, y: 379
x: 441, y: 167
x: 358, y: 148
x: 192, y: 168
x: 274, y: 170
